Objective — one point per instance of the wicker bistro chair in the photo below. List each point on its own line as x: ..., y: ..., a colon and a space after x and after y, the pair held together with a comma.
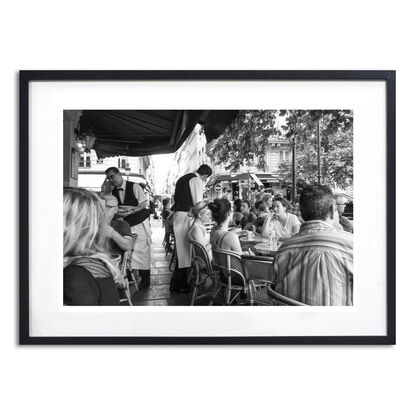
x: 127, y: 272
x: 229, y: 264
x: 259, y: 273
x: 203, y: 270
x: 282, y: 300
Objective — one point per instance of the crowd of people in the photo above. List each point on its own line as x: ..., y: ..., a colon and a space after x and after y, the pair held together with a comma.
x: 313, y: 264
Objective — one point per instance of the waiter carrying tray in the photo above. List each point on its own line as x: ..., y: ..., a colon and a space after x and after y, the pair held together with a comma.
x: 188, y: 192
x: 137, y: 215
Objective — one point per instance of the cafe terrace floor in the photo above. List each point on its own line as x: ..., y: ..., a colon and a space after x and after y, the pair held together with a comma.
x: 159, y: 292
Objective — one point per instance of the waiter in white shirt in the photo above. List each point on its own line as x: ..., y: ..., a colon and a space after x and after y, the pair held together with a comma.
x: 189, y: 191
x: 131, y: 194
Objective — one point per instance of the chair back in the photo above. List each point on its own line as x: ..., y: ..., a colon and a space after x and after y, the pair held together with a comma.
x: 258, y: 268
x: 126, y: 260
x: 229, y: 263
x: 116, y: 260
x: 201, y: 256
x: 282, y: 300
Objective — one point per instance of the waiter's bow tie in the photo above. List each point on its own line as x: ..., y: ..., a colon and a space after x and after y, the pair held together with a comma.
x: 120, y: 188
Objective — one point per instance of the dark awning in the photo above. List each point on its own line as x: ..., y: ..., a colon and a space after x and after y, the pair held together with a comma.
x: 145, y: 132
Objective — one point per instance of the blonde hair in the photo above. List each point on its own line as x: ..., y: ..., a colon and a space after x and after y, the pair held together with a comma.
x: 197, y: 208
x: 84, y: 220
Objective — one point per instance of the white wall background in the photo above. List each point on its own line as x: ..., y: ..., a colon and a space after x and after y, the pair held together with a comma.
x: 212, y: 35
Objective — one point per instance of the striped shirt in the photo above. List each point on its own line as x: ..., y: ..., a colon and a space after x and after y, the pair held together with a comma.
x: 315, y: 266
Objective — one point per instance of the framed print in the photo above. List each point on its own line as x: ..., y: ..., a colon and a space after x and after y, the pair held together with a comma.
x: 207, y: 207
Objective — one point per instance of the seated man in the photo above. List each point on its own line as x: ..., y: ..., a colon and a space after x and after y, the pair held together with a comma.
x: 315, y: 266
x: 345, y: 223
x: 120, y: 238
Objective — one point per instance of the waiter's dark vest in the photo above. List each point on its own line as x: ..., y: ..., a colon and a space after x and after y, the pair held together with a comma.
x: 131, y: 200
x: 182, y: 196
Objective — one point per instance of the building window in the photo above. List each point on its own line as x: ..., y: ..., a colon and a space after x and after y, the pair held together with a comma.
x: 85, y: 160
x: 122, y: 162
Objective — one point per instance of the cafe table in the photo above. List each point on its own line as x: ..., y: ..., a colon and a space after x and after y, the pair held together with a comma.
x: 265, y: 248
x: 247, y: 243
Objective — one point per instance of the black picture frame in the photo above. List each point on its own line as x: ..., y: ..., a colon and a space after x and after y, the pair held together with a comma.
x: 388, y: 76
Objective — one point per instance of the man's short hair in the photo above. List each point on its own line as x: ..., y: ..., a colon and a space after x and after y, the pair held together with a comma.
x: 111, y: 170
x: 316, y: 202
x: 204, y: 170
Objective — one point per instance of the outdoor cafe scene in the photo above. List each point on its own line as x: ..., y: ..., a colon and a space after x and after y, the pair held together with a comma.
x: 208, y: 208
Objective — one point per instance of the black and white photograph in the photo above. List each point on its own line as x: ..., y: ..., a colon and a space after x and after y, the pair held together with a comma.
x: 208, y: 207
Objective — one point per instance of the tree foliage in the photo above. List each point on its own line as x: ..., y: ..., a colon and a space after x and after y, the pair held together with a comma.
x: 336, y: 135
x: 245, y: 138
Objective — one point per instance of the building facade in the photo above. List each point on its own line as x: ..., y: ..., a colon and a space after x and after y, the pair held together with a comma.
x: 196, y: 151
x: 187, y: 158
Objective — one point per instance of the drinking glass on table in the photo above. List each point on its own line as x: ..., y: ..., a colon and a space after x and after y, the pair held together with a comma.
x: 272, y: 235
x: 249, y: 235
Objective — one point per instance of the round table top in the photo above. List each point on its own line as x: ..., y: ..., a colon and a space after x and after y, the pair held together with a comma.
x: 265, y: 248
x: 256, y: 239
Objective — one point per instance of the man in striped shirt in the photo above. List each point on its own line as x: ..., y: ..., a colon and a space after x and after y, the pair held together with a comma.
x: 315, y: 266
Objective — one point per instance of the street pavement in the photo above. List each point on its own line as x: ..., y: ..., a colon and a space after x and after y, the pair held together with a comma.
x: 159, y: 292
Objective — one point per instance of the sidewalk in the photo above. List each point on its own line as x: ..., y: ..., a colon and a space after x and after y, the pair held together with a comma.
x: 159, y: 292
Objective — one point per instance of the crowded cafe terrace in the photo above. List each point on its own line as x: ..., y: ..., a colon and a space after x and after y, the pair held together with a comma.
x: 122, y: 248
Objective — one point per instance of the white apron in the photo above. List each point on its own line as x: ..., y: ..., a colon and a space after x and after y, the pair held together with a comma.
x: 141, y: 257
x: 181, y: 226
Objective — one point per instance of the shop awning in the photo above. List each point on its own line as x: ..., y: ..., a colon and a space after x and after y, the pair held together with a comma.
x: 221, y: 177
x: 146, y: 132
x: 268, y: 177
x: 258, y: 178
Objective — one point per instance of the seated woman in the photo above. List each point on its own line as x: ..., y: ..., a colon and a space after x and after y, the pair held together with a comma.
x: 263, y: 213
x: 89, y: 275
x: 197, y: 232
x: 237, y: 214
x: 268, y: 200
x: 247, y: 222
x: 121, y: 239
x: 286, y: 224
x: 220, y: 237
